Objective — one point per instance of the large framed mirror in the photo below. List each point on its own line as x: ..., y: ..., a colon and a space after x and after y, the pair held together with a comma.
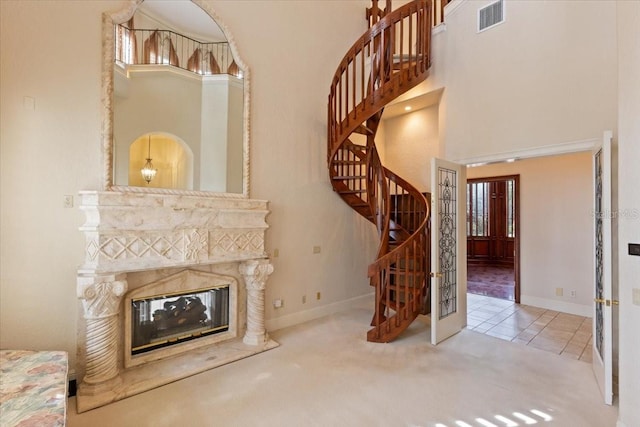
x: 176, y: 102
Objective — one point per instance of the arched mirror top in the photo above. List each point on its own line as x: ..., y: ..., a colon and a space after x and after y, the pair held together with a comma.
x: 219, y: 170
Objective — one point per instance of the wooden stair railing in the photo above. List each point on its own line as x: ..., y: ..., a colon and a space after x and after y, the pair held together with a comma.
x: 392, y: 57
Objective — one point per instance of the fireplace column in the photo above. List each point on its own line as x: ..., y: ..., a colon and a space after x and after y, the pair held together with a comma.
x: 255, y: 274
x: 101, y: 298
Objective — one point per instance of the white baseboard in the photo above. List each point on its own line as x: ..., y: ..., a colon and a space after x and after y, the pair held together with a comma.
x: 620, y: 424
x: 565, y: 307
x: 315, y: 313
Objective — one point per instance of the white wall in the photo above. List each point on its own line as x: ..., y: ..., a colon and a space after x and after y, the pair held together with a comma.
x: 629, y: 203
x: 545, y: 76
x: 556, y: 223
x: 56, y: 150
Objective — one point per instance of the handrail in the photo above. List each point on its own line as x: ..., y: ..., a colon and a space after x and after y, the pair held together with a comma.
x: 352, y: 88
x: 392, y: 57
x: 153, y: 47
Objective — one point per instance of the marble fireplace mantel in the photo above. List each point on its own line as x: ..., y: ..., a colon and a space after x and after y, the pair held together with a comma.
x: 134, y: 239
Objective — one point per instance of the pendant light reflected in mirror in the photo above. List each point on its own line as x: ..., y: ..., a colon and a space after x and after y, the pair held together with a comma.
x: 148, y: 171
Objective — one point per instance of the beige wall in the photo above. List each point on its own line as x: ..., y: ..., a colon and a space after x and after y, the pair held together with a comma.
x: 54, y: 150
x: 553, y: 84
x: 545, y: 76
x: 410, y: 141
x: 629, y: 203
x: 47, y: 152
x: 556, y: 224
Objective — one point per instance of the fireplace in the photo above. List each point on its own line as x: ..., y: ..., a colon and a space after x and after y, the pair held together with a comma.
x: 165, y: 320
x: 172, y: 285
x: 181, y: 312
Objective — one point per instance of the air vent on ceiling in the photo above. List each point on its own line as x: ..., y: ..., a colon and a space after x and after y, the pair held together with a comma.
x: 491, y: 15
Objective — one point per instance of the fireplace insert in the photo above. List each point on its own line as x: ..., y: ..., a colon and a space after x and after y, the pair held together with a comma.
x: 164, y: 320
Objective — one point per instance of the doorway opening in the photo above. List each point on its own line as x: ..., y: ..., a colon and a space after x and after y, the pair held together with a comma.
x: 493, y: 260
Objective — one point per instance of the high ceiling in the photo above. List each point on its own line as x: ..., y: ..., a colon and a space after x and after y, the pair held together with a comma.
x: 184, y: 17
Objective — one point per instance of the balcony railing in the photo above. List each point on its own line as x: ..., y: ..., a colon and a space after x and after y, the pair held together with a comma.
x: 152, y: 47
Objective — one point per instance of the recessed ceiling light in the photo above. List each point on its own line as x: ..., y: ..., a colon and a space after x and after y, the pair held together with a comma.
x: 407, y: 108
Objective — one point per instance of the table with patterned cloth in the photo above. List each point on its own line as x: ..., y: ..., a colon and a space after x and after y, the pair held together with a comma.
x: 33, y: 388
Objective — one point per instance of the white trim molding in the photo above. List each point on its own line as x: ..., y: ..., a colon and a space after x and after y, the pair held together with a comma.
x: 451, y: 7
x: 317, y: 312
x: 562, y: 306
x: 545, y: 150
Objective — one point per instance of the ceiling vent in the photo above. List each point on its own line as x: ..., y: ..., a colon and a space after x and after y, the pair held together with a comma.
x: 491, y: 15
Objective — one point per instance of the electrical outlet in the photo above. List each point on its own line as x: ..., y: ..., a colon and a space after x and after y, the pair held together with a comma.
x: 559, y: 292
x: 277, y: 303
x: 67, y: 201
x: 316, y: 249
x: 318, y: 295
x: 304, y: 299
x: 573, y: 294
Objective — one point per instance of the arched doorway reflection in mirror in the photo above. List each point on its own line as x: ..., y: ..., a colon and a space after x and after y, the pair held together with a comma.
x: 172, y: 159
x: 174, y: 71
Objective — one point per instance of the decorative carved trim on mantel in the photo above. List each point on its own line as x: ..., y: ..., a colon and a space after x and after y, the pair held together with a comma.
x: 129, y: 232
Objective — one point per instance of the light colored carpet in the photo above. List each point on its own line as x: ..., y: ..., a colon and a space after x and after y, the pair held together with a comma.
x: 326, y: 374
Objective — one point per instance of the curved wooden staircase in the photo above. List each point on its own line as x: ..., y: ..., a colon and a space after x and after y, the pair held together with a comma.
x: 392, y: 57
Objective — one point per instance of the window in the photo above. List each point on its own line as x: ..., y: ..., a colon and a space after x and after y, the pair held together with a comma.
x: 478, y: 209
x: 510, y: 205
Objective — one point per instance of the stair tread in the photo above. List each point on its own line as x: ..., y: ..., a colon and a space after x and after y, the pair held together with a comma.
x: 352, y: 191
x: 343, y: 177
x: 403, y: 272
x: 402, y: 288
x: 348, y: 162
x: 363, y: 130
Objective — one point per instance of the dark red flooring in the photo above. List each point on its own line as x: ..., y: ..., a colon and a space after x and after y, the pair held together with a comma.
x: 492, y: 281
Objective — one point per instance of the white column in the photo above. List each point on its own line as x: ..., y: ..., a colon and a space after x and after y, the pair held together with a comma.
x: 101, y: 297
x: 255, y: 274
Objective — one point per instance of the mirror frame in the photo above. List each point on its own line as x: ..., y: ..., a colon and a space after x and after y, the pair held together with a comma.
x: 109, y: 19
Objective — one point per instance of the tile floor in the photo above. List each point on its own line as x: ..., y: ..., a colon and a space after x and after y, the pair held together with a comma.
x: 565, y: 334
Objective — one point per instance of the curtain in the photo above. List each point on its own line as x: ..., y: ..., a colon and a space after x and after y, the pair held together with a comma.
x: 195, y: 62
x: 158, y: 50
x: 133, y: 43
x: 214, y: 68
x: 203, y: 65
x: 233, y: 69
x: 126, y: 44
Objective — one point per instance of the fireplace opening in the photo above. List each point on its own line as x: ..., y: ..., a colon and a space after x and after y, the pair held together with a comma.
x: 165, y: 320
